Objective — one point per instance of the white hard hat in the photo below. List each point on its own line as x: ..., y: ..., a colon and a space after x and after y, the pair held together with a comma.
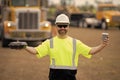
x: 62, y: 18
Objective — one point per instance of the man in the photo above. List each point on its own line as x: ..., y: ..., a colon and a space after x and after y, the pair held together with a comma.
x: 64, y: 51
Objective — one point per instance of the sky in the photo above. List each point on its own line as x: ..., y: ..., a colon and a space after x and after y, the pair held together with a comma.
x: 83, y: 2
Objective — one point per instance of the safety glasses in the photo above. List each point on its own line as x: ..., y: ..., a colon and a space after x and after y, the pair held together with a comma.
x: 60, y: 26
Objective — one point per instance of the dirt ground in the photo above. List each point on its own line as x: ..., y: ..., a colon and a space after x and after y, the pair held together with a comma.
x: 20, y: 65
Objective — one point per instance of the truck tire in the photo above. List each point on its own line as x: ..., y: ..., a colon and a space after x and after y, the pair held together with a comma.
x: 104, y: 25
x: 119, y: 27
x: 0, y: 32
x: 4, y: 42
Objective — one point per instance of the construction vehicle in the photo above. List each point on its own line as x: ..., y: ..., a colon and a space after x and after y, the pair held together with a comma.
x: 68, y: 7
x: 109, y: 15
x: 24, y: 20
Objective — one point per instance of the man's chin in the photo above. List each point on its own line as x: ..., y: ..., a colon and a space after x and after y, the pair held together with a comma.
x: 62, y: 32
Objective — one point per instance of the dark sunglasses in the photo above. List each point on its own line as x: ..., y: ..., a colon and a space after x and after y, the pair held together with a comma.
x: 60, y: 26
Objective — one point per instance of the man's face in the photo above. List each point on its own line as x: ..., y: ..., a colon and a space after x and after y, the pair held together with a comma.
x: 62, y: 29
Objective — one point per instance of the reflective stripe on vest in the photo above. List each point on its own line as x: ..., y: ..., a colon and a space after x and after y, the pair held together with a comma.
x: 51, y: 43
x: 73, y: 67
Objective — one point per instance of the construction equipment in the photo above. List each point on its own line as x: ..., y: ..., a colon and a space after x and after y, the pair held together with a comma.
x: 109, y: 15
x: 24, y: 20
x: 68, y: 7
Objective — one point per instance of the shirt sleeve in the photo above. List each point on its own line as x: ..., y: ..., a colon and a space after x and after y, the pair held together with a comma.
x: 83, y: 49
x: 43, y: 49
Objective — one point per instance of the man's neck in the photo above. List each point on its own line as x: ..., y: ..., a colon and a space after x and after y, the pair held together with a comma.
x: 62, y: 36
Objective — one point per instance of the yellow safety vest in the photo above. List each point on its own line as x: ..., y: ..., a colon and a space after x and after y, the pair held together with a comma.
x: 72, y: 67
x: 62, y: 52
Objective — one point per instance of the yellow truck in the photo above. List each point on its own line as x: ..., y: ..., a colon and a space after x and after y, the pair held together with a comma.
x: 109, y: 15
x: 24, y: 20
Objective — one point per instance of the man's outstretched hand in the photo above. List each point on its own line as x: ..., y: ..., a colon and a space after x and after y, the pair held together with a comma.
x: 18, y: 45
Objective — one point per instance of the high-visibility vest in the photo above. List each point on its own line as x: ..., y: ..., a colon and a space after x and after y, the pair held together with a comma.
x: 72, y: 67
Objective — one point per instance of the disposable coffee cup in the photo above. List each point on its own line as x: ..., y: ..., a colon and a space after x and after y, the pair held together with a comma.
x: 104, y: 36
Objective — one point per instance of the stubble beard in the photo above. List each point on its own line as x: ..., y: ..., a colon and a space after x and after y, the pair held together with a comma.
x: 62, y: 32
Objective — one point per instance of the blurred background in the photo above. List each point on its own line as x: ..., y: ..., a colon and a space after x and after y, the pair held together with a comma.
x: 32, y: 21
